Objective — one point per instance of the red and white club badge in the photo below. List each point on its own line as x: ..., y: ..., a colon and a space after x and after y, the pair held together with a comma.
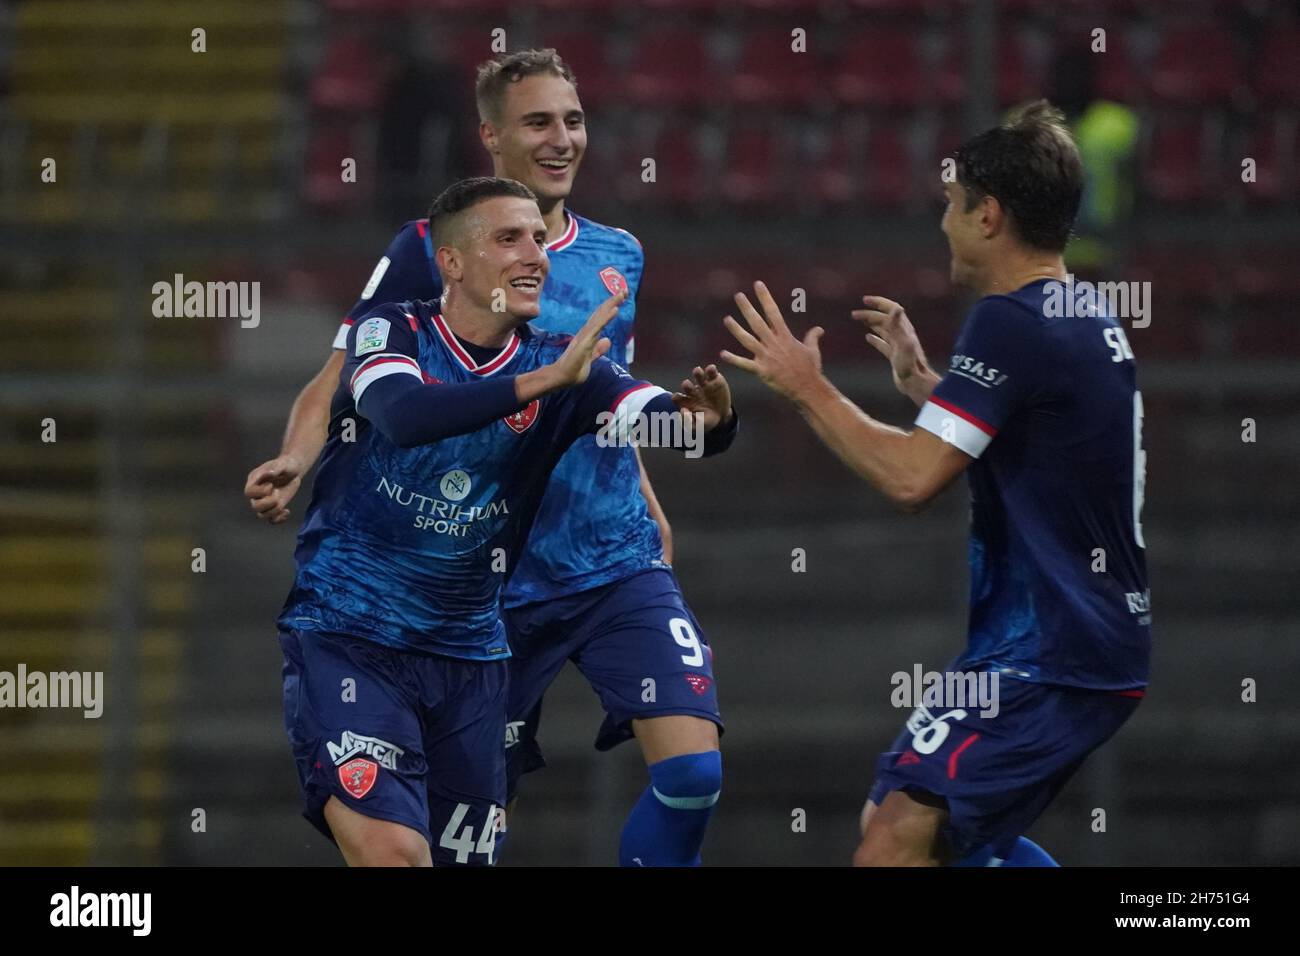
x: 358, y: 776
x: 613, y: 280
x: 523, y: 419
x: 699, y: 683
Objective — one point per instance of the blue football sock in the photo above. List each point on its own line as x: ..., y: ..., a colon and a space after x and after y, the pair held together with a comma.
x: 1025, y: 853
x: 666, y: 827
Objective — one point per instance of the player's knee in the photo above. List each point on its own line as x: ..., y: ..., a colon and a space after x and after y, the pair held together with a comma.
x: 394, y: 845
x: 688, y: 782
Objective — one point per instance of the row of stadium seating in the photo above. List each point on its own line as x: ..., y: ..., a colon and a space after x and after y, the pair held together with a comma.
x: 893, y: 68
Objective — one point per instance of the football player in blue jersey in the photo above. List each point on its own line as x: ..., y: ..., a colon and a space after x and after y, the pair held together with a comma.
x: 450, y: 418
x: 1040, y: 408
x: 594, y: 585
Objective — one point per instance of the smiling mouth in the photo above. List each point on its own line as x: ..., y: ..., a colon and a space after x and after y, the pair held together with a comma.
x: 555, y: 165
x: 526, y: 283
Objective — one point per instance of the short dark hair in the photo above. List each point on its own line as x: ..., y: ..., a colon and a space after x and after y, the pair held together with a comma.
x: 1031, y: 165
x: 496, y: 74
x: 461, y: 195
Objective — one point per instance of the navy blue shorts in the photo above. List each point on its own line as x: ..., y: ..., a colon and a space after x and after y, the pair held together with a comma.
x: 415, y: 740
x: 999, y: 773
x: 635, y: 641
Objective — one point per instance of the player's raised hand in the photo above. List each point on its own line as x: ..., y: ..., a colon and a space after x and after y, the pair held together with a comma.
x: 573, y: 367
x: 271, y: 486
x: 780, y: 361
x: 705, y: 394
x: 890, y: 332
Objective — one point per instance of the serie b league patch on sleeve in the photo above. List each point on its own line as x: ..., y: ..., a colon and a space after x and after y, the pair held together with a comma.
x: 373, y: 335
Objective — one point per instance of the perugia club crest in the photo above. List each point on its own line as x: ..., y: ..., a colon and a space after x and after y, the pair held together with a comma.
x: 699, y: 683
x: 613, y: 280
x: 358, y: 776
x: 523, y: 419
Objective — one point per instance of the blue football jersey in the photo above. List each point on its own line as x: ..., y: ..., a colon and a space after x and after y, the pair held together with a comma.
x: 593, y: 526
x: 1050, y: 408
x: 409, y: 547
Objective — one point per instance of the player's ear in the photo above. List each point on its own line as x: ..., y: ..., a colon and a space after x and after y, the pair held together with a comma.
x: 449, y: 264
x: 488, y: 135
x: 992, y: 217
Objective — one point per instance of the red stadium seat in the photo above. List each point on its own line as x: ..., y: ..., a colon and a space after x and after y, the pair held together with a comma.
x: 670, y: 66
x: 750, y: 175
x: 1275, y: 148
x: 835, y: 175
x: 323, y: 185
x: 768, y: 71
x: 1277, y: 72
x: 1196, y: 65
x: 1175, y: 170
x: 889, y: 167
x: 881, y: 68
x: 351, y: 76
x: 1115, y: 76
x: 678, y: 179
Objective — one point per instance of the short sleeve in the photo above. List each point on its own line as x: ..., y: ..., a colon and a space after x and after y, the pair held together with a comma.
x: 405, y: 272
x: 989, y: 377
x: 381, y: 343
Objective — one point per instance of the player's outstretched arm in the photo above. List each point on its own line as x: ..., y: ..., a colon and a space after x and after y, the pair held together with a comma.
x: 390, y: 392
x: 271, y: 485
x: 909, y: 468
x: 890, y: 333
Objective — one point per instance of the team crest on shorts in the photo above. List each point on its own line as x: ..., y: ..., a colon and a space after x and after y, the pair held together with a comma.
x: 908, y: 757
x: 358, y: 776
x: 699, y: 683
x: 613, y: 280
x: 523, y: 419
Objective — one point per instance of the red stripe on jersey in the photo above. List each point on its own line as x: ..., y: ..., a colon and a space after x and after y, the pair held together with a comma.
x: 635, y: 388
x: 952, y: 760
x: 375, y: 363
x: 411, y: 321
x: 565, y: 240
x: 347, y: 321
x: 467, y: 360
x: 421, y: 226
x: 1136, y: 692
x: 963, y: 414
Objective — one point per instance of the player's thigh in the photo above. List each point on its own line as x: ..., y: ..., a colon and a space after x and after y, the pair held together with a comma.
x: 904, y: 830
x: 662, y: 738
x: 648, y: 659
x: 463, y: 745
x: 366, y: 841
x: 352, y: 715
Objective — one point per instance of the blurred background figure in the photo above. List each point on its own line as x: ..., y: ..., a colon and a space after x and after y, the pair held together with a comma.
x: 285, y: 143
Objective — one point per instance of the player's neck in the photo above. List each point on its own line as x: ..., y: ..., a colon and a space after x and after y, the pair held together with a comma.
x: 484, y: 327
x: 556, y: 221
x: 1015, y: 272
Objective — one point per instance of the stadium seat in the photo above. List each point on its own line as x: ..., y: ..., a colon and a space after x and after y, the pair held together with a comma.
x: 1275, y: 147
x: 768, y: 71
x: 351, y: 76
x: 678, y: 168
x: 751, y: 174
x: 1175, y: 170
x: 835, y: 172
x: 1196, y: 65
x: 880, y: 68
x: 889, y: 167
x: 670, y: 66
x: 323, y: 185
x: 1277, y: 70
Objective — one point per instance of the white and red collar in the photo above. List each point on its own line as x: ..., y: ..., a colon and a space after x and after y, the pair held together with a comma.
x: 494, y: 364
x: 570, y: 234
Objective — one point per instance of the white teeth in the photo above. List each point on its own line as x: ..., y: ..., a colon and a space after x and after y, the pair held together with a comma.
x: 554, y: 163
x: 525, y: 283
